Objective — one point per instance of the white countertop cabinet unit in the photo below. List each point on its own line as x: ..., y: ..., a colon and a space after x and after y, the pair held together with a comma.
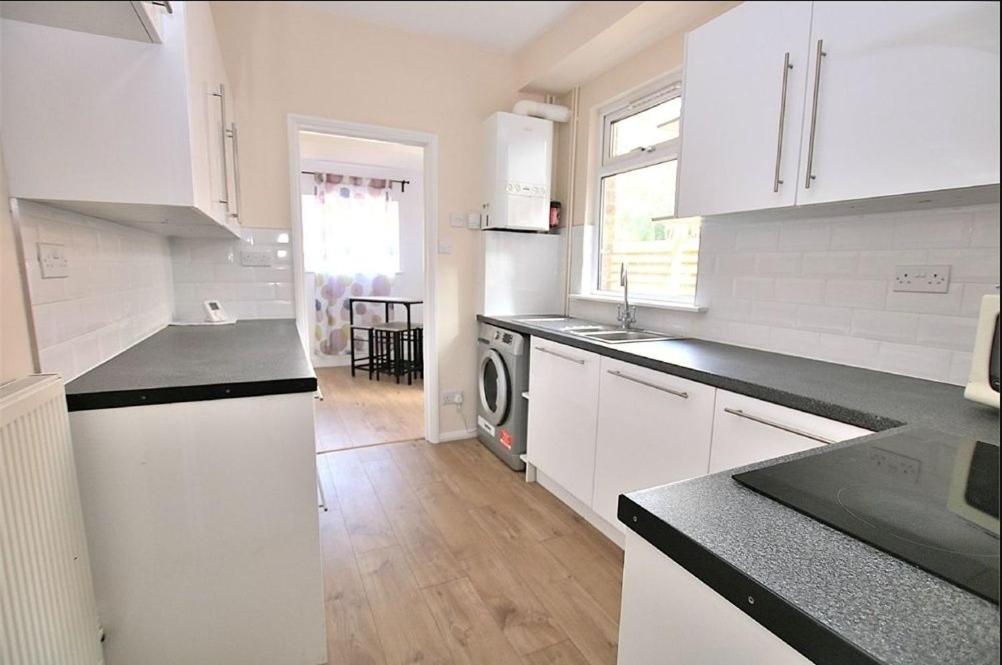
x: 748, y: 430
x: 653, y: 428
x: 201, y: 522
x: 881, y: 99
x: 563, y: 406
x: 120, y: 129
x: 601, y: 427
x: 671, y: 617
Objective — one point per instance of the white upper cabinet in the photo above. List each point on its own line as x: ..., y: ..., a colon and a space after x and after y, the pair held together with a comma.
x: 742, y: 109
x: 563, y: 405
x: 119, y: 129
x: 907, y: 99
x: 881, y: 99
x: 653, y: 428
x: 139, y: 21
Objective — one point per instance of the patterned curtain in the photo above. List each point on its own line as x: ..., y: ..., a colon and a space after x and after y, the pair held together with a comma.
x: 351, y: 242
x: 331, y: 327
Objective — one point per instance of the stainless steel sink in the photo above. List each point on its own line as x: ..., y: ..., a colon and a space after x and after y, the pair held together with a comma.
x: 586, y: 330
x: 599, y: 332
x: 618, y: 336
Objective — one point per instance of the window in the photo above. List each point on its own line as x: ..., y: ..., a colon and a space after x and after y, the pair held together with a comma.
x: 351, y: 225
x: 636, y: 189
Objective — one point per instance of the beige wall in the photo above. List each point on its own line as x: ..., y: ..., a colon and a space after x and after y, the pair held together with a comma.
x: 284, y: 59
x: 15, y: 345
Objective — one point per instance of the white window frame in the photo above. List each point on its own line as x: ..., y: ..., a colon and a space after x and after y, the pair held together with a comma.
x: 649, y: 97
x: 645, y: 98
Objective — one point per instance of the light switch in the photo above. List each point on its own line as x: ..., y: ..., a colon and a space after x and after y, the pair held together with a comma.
x: 445, y: 247
x: 473, y: 220
x: 456, y: 220
x: 53, y: 260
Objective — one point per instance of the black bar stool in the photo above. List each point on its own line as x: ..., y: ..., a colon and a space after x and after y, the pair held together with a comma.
x: 363, y: 362
x: 398, y: 350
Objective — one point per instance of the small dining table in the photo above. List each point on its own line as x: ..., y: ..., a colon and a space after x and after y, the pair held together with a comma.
x: 387, y: 301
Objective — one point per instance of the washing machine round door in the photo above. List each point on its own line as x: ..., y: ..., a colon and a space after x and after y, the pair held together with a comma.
x: 494, y: 387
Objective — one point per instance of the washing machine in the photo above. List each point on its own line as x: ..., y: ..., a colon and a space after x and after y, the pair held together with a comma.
x: 502, y: 378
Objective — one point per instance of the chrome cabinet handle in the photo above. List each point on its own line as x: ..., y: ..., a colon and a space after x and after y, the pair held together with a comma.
x: 236, y: 168
x: 222, y: 144
x: 814, y: 114
x: 786, y: 428
x: 776, y: 182
x: 676, y: 393
x: 561, y: 356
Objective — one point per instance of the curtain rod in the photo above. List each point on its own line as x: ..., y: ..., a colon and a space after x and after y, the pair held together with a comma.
x: 403, y: 183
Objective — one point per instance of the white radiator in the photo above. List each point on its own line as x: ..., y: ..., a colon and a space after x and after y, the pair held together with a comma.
x: 47, y: 610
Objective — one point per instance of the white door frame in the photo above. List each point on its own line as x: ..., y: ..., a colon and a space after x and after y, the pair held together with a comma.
x: 428, y: 141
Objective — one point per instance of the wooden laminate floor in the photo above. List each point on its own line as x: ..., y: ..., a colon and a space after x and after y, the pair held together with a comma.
x: 358, y: 412
x: 439, y: 554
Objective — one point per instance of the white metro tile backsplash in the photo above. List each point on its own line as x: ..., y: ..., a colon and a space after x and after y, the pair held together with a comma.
x: 118, y: 292
x: 822, y: 288
x: 212, y: 270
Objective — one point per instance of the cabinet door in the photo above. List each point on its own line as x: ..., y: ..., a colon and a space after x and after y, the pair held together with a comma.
x: 742, y: 109
x: 671, y: 617
x: 907, y: 99
x: 653, y: 428
x: 747, y: 430
x: 563, y: 404
x: 208, y: 99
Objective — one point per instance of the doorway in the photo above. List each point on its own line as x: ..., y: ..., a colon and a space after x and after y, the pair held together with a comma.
x: 361, y: 199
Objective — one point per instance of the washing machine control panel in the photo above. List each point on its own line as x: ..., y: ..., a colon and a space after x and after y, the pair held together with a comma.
x: 503, y: 340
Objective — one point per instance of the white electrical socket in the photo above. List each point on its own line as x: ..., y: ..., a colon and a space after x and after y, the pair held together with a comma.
x: 922, y: 279
x: 452, y: 397
x: 261, y: 258
x: 53, y: 260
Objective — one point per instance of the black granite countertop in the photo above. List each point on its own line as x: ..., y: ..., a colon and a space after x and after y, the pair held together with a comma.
x: 833, y: 597
x: 865, y: 398
x: 193, y: 363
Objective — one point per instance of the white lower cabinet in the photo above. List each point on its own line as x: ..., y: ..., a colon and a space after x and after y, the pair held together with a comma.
x: 671, y: 617
x: 601, y: 427
x: 201, y: 522
x: 563, y: 391
x: 653, y: 428
x: 747, y: 430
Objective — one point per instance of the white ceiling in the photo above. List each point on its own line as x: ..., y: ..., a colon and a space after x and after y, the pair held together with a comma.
x: 498, y: 26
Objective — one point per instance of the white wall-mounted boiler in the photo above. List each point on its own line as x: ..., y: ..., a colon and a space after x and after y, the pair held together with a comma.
x: 519, y: 150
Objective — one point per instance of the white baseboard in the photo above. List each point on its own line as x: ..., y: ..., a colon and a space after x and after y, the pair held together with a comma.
x: 582, y: 509
x: 457, y: 435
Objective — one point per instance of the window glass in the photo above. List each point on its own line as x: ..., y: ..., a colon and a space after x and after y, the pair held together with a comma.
x: 638, y: 228
x: 645, y: 129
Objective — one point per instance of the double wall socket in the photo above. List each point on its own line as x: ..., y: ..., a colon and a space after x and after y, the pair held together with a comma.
x: 452, y: 397
x: 922, y: 279
x: 256, y: 257
x: 53, y: 260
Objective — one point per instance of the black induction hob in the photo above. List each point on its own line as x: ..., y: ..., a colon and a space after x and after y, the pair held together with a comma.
x: 929, y: 498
